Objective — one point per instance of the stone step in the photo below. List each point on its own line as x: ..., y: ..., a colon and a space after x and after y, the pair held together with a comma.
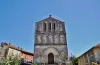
x: 51, y: 64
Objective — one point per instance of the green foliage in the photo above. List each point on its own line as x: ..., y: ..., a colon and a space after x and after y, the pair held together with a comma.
x: 74, y: 60
x: 34, y: 64
x: 93, y: 63
x: 10, y: 61
x: 70, y: 63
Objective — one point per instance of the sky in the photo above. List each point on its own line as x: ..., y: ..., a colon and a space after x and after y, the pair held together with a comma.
x: 81, y: 17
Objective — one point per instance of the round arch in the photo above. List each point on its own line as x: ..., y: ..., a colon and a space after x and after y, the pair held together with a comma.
x: 50, y: 58
x: 63, y: 56
x: 51, y: 50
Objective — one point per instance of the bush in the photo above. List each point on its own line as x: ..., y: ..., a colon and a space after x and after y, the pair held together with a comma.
x: 10, y: 61
x: 93, y: 63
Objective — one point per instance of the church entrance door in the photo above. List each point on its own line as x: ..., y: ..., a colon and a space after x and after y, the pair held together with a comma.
x: 50, y: 58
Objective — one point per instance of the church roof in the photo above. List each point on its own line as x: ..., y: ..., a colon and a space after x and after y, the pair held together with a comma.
x: 50, y: 18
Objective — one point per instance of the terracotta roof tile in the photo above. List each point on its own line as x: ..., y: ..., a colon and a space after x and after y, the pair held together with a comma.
x: 14, y: 47
x: 26, y: 52
x: 11, y: 46
x: 98, y: 45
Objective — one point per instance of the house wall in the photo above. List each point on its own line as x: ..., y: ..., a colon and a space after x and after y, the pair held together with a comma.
x: 3, y: 52
x: 97, y: 54
x: 7, y: 50
x: 27, y: 57
x: 13, y: 53
x: 92, y: 55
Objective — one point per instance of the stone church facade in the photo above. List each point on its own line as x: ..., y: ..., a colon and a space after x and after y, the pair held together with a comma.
x: 50, y: 42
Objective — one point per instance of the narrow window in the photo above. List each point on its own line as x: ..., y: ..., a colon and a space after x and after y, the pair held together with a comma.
x: 50, y: 26
x: 44, y: 26
x: 54, y: 26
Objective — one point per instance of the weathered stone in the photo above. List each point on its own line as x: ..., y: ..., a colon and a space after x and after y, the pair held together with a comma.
x: 50, y: 42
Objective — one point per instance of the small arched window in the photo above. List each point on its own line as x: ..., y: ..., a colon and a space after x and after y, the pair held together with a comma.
x: 54, y: 26
x: 44, y: 26
x: 50, y: 26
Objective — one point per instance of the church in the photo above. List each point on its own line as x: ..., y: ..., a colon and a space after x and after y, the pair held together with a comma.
x: 50, y: 45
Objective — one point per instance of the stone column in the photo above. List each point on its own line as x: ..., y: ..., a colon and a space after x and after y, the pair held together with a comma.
x: 42, y: 27
x: 47, y: 27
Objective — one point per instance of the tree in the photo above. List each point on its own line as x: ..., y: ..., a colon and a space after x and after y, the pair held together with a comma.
x: 74, y: 60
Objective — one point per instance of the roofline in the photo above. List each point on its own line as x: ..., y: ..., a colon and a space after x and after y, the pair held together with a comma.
x: 47, y: 18
x: 16, y: 48
x: 88, y: 50
x: 23, y: 51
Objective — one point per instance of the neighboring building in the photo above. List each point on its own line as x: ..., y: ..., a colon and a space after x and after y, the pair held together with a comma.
x: 92, y: 55
x: 50, y: 42
x: 3, y: 49
x: 8, y: 50
x: 27, y: 56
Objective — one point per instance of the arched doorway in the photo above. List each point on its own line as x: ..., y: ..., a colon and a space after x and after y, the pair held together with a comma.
x: 50, y: 58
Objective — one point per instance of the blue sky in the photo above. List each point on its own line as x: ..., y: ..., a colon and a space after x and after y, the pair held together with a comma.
x: 82, y: 18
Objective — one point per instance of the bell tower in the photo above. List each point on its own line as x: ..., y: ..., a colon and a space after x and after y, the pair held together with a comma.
x: 50, y: 45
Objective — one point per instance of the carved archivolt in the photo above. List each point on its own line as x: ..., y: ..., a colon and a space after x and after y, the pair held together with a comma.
x: 63, y: 56
x: 50, y: 50
x: 38, y: 55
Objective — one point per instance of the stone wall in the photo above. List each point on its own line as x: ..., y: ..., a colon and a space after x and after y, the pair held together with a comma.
x: 59, y: 51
